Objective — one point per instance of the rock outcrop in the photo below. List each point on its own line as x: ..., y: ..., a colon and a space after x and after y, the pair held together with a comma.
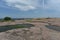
x: 33, y: 33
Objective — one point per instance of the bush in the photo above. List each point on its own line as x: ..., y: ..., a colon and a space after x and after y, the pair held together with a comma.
x: 7, y: 19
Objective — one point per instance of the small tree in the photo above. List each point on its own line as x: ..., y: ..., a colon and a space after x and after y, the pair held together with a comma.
x: 7, y: 19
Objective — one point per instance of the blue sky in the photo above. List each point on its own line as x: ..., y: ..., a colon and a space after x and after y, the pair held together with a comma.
x: 29, y: 8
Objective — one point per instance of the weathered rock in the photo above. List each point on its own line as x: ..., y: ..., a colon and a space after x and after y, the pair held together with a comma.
x: 22, y: 34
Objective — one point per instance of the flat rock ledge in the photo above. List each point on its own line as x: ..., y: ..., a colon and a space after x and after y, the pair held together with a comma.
x: 33, y: 33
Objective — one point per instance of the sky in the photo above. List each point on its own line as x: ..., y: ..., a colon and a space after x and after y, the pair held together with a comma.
x: 29, y: 8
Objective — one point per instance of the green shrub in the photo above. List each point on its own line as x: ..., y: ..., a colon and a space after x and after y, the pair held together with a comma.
x: 7, y: 18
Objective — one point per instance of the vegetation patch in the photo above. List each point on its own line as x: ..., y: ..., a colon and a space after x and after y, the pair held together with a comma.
x: 29, y: 20
x: 38, y: 19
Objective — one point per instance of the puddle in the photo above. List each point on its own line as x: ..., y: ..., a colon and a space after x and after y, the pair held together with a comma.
x: 10, y: 27
x: 56, y: 28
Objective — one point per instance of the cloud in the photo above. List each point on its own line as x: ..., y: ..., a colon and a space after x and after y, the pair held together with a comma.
x: 33, y: 4
x: 23, y: 4
x: 53, y: 4
x: 25, y: 7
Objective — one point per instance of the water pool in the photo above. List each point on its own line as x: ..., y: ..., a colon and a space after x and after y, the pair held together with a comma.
x: 9, y: 27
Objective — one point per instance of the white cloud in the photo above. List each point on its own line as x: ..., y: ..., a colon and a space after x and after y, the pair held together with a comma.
x: 53, y: 4
x: 23, y: 4
x: 33, y: 4
x: 24, y: 8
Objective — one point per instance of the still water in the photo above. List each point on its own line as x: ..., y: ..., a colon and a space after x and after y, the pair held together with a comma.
x: 53, y: 27
x: 9, y: 27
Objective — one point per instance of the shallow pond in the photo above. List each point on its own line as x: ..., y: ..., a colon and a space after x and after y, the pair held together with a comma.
x: 53, y: 27
x: 9, y: 27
